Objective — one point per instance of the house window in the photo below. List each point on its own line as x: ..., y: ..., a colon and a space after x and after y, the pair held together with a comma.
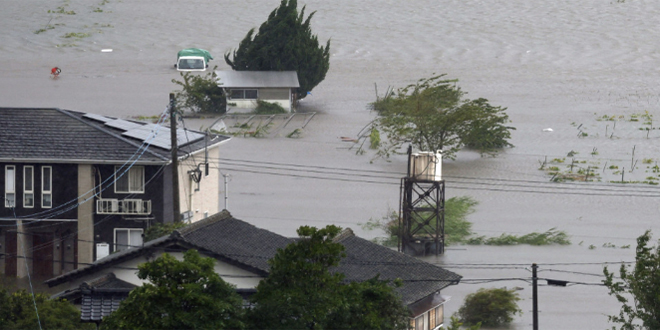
x: 420, y: 323
x: 439, y: 315
x: 126, y: 238
x: 132, y: 181
x: 46, y: 187
x: 10, y: 186
x: 244, y: 94
x: 28, y: 186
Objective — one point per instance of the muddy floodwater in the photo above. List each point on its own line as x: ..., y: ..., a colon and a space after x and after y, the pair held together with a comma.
x: 577, y: 77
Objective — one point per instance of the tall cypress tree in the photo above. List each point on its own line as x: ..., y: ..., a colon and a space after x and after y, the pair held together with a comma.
x: 284, y: 43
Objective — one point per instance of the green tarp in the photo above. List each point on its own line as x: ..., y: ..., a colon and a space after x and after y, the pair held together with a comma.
x: 195, y: 52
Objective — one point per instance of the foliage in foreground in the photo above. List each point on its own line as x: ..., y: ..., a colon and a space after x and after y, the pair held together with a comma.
x: 432, y: 114
x: 17, y: 311
x: 458, y: 230
x: 301, y: 293
x: 456, y: 324
x: 490, y: 307
x: 186, y: 294
x: 637, y: 289
x: 284, y: 42
x: 200, y: 93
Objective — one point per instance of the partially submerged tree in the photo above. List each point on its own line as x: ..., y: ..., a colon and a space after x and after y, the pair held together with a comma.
x: 184, y: 294
x: 637, y: 288
x: 200, y: 93
x: 489, y: 307
x: 284, y: 43
x: 301, y: 292
x: 432, y: 114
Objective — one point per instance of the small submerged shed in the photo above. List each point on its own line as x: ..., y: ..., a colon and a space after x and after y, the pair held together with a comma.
x: 244, y: 88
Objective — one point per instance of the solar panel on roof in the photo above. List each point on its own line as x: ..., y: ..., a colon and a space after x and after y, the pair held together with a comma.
x: 122, y: 124
x: 96, y: 117
x: 162, y: 138
x: 183, y: 136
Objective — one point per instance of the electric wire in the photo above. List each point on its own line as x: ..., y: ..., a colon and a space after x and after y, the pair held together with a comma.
x: 483, y: 184
x: 128, y: 164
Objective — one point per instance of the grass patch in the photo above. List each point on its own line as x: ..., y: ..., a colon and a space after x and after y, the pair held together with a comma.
x: 551, y: 236
x: 77, y: 35
x: 62, y: 10
x: 48, y: 27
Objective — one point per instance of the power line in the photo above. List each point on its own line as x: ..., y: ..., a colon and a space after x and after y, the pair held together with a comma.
x: 507, y: 185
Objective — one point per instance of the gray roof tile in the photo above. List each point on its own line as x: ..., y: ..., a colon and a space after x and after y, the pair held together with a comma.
x: 240, y: 243
x: 51, y: 134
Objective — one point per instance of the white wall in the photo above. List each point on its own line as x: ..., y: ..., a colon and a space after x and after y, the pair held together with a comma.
x: 206, y: 199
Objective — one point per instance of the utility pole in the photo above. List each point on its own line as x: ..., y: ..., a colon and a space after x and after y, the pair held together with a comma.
x: 535, y: 299
x: 175, y: 161
x: 226, y: 192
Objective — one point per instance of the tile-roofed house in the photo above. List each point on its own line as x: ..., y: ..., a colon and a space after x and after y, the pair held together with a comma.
x: 244, y: 88
x: 98, y: 297
x: 97, y: 182
x: 243, y: 251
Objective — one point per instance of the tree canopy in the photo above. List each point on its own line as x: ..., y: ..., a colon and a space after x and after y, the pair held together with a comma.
x: 432, y: 114
x: 637, y: 288
x: 284, y: 43
x: 301, y: 291
x: 200, y: 94
x: 17, y: 311
x: 489, y: 307
x: 184, y: 294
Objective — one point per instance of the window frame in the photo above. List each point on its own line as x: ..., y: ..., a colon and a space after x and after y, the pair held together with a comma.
x: 10, y: 169
x: 128, y: 232
x: 243, y: 95
x: 127, y: 176
x: 28, y: 189
x: 46, y: 192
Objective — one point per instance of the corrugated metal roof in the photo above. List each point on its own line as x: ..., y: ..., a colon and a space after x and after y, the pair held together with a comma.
x: 258, y: 79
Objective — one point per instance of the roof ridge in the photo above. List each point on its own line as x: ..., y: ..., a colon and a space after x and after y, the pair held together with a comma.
x: 99, y: 128
x: 222, y: 215
x: 344, y: 234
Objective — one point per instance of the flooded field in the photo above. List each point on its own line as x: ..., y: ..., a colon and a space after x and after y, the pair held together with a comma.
x: 584, y: 69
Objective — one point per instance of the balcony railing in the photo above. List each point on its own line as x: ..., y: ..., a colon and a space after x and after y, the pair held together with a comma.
x: 123, y: 206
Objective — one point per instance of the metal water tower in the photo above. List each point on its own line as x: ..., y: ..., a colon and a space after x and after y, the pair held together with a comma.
x: 422, y: 217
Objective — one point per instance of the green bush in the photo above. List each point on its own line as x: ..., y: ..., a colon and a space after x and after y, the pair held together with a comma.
x: 490, y: 307
x: 17, y: 311
x: 200, y: 94
x: 267, y: 108
x: 161, y: 229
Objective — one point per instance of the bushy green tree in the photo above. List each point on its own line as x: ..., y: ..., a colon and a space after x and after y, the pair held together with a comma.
x: 637, y: 288
x: 184, y: 294
x: 372, y: 304
x: 17, y: 311
x: 432, y: 114
x: 161, y: 229
x: 200, y: 93
x: 301, y: 292
x: 284, y: 43
x: 489, y: 307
